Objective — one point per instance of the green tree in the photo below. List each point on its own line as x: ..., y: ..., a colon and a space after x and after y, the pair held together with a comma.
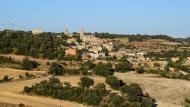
x: 92, y: 98
x: 56, y: 69
x: 87, y: 65
x: 86, y: 82
x: 27, y: 64
x: 6, y: 78
x: 114, y: 82
x: 124, y: 67
x: 103, y: 69
x: 140, y: 70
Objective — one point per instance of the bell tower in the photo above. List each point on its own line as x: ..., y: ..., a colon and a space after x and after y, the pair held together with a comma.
x: 82, y: 32
x: 82, y: 35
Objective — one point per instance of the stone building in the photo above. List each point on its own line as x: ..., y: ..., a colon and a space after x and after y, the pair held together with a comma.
x: 70, y: 52
x: 36, y: 31
x: 89, y: 38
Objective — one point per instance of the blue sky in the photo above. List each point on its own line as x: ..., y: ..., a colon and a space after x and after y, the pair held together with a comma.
x: 171, y: 17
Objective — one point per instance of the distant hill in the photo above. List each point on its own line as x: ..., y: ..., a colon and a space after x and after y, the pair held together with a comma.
x: 184, y: 39
x: 135, y: 37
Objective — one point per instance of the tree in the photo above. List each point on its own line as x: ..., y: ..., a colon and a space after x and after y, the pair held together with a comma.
x: 100, y: 89
x: 147, y: 102
x: 135, y: 93
x: 86, y: 82
x: 56, y: 69
x: 114, y: 82
x: 92, y: 98
x: 21, y: 105
x: 27, y: 89
x: 124, y: 67
x: 26, y: 64
x: 140, y: 70
x: 103, y: 69
x: 6, y: 78
x: 117, y: 100
x: 87, y: 65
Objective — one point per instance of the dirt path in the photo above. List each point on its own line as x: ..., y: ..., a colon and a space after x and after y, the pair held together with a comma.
x: 168, y: 92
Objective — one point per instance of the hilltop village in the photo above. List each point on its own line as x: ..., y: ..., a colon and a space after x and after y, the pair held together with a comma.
x: 93, y: 69
x: 105, y: 48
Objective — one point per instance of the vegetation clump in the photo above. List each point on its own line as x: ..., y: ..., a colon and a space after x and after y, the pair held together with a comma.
x: 27, y: 64
x: 56, y: 69
x: 97, y: 96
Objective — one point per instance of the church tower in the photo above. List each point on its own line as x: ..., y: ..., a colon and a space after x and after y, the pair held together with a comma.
x: 82, y: 35
x: 82, y: 32
x: 66, y: 31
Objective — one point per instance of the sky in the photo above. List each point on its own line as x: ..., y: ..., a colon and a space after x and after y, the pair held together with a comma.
x: 170, y: 17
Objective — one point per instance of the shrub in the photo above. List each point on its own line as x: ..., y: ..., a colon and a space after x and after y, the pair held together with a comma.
x: 114, y: 82
x: 140, y: 70
x: 88, y: 65
x: 56, y: 69
x: 135, y: 93
x: 92, y: 98
x: 27, y: 89
x: 28, y: 65
x: 124, y: 67
x: 6, y: 78
x: 103, y: 69
x: 72, y: 71
x: 21, y: 105
x: 146, y: 102
x: 86, y: 82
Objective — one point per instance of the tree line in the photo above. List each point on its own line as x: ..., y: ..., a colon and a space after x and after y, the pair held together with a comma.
x: 44, y: 45
x: 97, y: 95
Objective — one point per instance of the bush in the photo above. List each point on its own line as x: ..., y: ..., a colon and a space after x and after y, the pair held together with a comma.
x: 86, y: 82
x: 103, y: 69
x: 92, y: 98
x: 100, y: 89
x: 21, y: 105
x: 135, y: 93
x: 114, y: 82
x: 72, y: 71
x: 88, y: 65
x: 6, y: 78
x: 140, y: 70
x: 56, y: 69
x: 27, y: 89
x: 28, y: 65
x: 97, y: 96
x: 124, y: 67
x: 146, y: 102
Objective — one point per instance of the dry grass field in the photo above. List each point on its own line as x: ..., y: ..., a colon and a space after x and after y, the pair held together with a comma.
x: 14, y: 73
x: 43, y: 62
x: 11, y: 92
x: 168, y: 92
